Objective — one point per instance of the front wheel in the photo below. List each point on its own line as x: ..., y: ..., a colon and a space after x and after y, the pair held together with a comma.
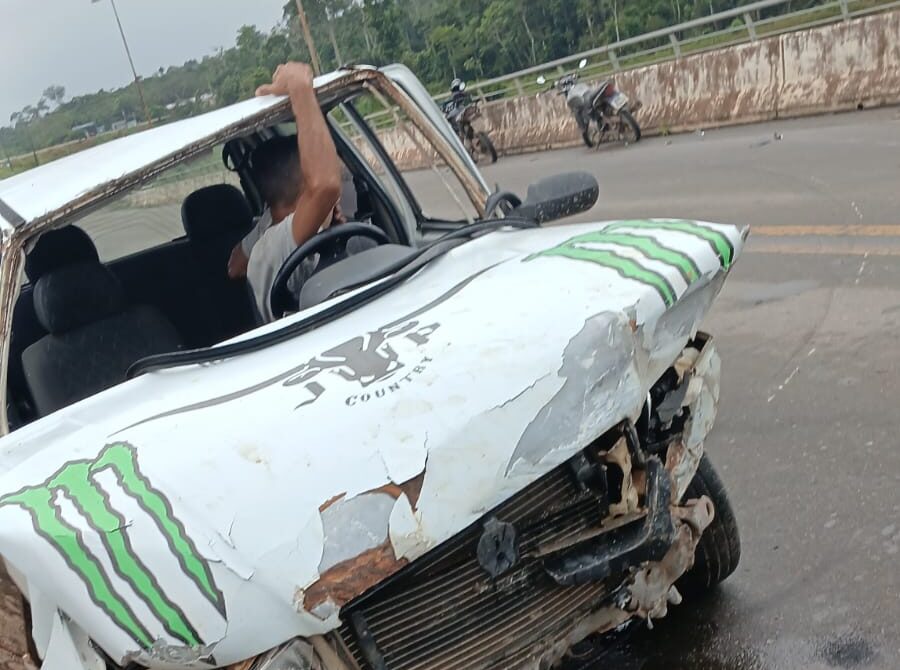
x: 719, y: 549
x: 485, y: 146
x: 588, y: 141
x: 629, y: 129
x: 592, y: 134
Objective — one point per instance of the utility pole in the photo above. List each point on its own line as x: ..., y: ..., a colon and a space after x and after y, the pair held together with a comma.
x: 307, y: 36
x: 137, y: 79
x: 334, y: 45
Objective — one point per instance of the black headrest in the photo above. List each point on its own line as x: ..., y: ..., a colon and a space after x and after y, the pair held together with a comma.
x: 76, y: 295
x: 58, y: 248
x: 214, y: 211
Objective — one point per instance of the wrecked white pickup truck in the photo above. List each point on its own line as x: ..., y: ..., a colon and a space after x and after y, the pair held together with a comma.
x: 474, y: 445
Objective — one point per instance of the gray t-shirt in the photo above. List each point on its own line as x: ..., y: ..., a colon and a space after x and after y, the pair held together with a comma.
x: 269, y: 252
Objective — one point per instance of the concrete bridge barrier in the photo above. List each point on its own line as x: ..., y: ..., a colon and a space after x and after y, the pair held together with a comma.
x: 831, y: 68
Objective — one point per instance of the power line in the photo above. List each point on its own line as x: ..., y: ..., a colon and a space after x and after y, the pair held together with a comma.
x: 137, y: 79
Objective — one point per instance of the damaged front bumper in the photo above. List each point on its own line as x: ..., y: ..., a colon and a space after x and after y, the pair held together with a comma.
x: 598, y: 541
x: 515, y: 594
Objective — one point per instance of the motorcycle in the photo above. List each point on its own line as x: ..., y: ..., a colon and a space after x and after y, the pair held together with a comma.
x: 600, y: 111
x: 462, y: 114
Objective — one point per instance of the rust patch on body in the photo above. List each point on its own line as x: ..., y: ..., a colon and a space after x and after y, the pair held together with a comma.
x: 412, y: 489
x: 345, y: 581
x: 331, y: 501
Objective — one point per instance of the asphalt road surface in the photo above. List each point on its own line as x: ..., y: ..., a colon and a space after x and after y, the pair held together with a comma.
x: 809, y: 331
x: 807, y: 437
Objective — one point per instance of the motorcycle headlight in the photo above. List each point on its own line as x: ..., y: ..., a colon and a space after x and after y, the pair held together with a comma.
x: 295, y: 655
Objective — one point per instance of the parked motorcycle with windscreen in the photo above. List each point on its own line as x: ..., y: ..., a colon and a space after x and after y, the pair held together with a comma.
x: 462, y: 112
x: 602, y: 111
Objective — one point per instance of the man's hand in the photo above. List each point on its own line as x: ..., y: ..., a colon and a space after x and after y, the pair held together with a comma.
x: 288, y: 79
x: 237, y: 263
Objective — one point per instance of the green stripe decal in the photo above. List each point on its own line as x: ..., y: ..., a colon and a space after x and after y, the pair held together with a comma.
x: 121, y: 459
x: 77, y: 483
x: 719, y: 242
x: 626, y: 267
x: 649, y: 247
x: 110, y: 526
x: 68, y: 541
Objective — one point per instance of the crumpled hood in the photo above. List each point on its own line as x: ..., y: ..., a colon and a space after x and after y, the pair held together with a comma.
x: 205, y: 514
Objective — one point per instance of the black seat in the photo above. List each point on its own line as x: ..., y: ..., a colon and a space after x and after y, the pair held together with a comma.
x: 215, y: 219
x: 93, y: 335
x: 56, y: 249
x: 53, y: 250
x: 597, y: 96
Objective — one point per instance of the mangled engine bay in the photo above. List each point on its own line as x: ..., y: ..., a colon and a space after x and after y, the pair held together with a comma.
x: 598, y: 541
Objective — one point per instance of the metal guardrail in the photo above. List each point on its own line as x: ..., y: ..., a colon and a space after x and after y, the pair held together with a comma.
x: 691, y: 37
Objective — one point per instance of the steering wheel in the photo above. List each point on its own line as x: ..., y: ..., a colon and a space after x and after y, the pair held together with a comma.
x: 332, y: 243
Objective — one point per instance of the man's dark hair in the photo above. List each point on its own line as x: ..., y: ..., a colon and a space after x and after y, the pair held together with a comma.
x: 276, y: 165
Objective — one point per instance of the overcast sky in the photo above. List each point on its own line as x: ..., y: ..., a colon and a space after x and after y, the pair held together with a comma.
x: 76, y: 44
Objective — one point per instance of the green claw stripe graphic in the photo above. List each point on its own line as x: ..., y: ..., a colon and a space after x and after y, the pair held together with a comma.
x: 122, y: 460
x: 69, y: 542
x: 648, y: 246
x: 626, y: 267
x: 719, y: 242
x: 77, y: 482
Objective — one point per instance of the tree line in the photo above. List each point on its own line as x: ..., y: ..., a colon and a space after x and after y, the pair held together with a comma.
x: 437, y: 39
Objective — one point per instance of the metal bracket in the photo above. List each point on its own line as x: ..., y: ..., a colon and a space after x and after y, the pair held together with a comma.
x: 676, y: 46
x: 610, y: 553
x: 751, y: 27
x: 614, y: 60
x: 845, y: 10
x: 367, y: 644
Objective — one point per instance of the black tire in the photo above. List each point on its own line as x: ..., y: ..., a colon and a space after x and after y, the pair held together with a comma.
x: 486, y: 146
x: 719, y: 549
x: 586, y: 136
x: 628, y: 119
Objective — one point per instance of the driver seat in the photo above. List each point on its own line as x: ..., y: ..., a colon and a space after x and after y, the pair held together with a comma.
x: 215, y: 219
x: 93, y: 335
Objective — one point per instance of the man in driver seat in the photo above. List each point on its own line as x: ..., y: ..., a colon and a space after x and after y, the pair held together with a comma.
x: 302, y: 195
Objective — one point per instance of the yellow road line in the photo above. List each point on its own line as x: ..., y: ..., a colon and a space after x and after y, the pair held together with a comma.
x: 808, y: 249
x: 825, y: 231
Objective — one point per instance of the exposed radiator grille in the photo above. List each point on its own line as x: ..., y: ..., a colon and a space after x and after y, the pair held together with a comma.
x: 445, y: 612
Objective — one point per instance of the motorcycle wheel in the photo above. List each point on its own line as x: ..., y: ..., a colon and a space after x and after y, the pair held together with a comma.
x: 593, y: 134
x: 719, y: 549
x: 630, y: 126
x: 486, y: 147
x: 588, y: 140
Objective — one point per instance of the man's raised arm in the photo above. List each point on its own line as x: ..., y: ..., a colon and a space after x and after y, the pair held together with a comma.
x: 319, y: 164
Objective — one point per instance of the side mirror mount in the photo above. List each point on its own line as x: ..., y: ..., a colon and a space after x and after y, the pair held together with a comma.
x: 582, y: 64
x: 559, y: 196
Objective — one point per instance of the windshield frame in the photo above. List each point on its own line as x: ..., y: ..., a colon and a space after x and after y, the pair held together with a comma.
x: 14, y: 241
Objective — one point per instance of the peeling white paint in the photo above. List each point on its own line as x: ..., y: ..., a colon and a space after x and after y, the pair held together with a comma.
x: 70, y: 648
x: 354, y: 526
x: 701, y: 399
x: 407, y: 537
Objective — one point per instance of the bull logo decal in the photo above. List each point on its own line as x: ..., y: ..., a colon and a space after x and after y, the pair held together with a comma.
x: 363, y: 360
x: 77, y: 482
